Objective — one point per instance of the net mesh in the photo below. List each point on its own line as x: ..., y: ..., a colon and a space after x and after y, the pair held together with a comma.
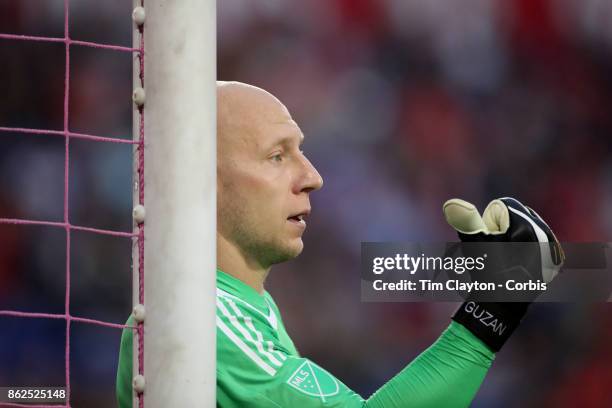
x: 66, y: 224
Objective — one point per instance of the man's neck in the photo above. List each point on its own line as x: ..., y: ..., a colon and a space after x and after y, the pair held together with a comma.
x: 234, y: 262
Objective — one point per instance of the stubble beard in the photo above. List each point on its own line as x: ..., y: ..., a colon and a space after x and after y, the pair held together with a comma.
x: 253, y: 240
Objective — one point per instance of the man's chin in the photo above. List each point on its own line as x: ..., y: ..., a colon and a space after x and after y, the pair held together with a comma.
x: 298, y: 247
x: 291, y: 250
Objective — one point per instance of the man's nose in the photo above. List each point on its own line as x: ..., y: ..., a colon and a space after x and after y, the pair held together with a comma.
x: 311, y: 179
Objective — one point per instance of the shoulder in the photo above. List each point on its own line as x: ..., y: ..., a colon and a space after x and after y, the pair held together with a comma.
x: 247, y: 336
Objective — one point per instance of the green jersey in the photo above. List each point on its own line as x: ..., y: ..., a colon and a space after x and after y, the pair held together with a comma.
x: 259, y: 366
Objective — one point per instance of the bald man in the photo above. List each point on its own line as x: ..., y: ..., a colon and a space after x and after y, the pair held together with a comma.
x: 264, y: 183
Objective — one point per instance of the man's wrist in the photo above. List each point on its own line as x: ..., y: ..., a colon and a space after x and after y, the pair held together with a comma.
x: 492, y: 323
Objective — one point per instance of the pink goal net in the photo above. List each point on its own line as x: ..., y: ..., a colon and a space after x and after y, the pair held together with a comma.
x: 67, y: 224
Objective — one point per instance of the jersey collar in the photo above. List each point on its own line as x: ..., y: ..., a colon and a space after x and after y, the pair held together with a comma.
x: 238, y: 288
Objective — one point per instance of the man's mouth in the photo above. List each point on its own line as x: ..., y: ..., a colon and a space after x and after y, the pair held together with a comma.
x: 299, y: 218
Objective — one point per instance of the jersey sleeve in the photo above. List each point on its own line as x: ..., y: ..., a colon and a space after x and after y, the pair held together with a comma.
x: 124, y: 369
x: 255, y: 370
x: 448, y: 374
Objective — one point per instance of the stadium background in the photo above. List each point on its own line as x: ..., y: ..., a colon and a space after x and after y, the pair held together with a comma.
x: 404, y: 104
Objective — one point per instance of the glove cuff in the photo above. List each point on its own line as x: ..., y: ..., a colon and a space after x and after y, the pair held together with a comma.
x: 493, y: 323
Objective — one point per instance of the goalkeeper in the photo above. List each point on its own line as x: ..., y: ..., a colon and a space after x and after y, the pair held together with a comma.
x: 264, y: 183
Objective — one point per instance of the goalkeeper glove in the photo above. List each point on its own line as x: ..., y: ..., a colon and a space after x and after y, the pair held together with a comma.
x: 504, y: 220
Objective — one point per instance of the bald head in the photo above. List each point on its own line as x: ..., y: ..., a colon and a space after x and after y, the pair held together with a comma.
x: 243, y: 113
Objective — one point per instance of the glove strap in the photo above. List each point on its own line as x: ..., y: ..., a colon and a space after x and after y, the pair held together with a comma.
x: 493, y: 323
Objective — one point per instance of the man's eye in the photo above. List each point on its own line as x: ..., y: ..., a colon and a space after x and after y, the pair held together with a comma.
x: 277, y: 158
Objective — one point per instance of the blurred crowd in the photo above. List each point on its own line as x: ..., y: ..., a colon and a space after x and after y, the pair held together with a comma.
x: 403, y: 103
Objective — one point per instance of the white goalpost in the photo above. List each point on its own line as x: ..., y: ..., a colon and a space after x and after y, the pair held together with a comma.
x: 178, y: 101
